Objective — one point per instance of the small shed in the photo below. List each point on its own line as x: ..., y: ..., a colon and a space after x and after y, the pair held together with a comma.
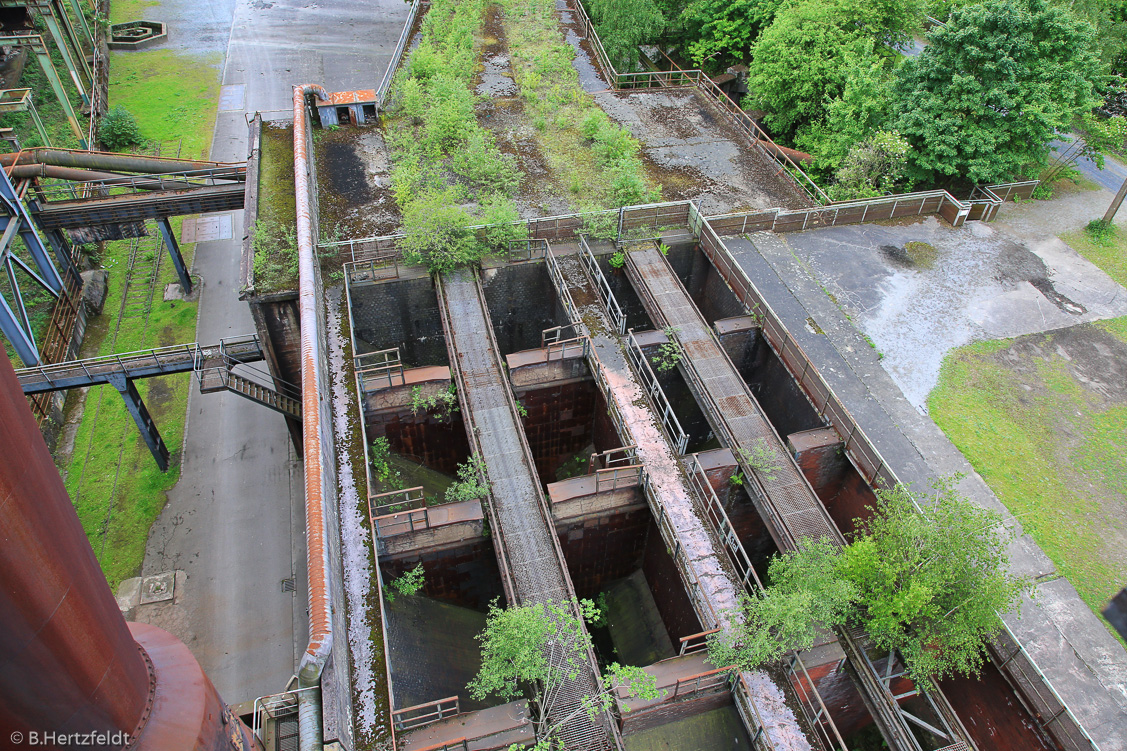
x: 357, y: 107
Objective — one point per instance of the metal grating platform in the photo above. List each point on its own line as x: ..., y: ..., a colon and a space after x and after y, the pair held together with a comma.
x: 788, y: 504
x: 534, y: 562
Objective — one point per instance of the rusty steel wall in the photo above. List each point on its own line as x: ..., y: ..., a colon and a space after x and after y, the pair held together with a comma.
x: 67, y: 660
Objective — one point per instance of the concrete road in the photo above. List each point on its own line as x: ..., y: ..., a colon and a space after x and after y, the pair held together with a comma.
x: 1109, y: 178
x: 235, y: 521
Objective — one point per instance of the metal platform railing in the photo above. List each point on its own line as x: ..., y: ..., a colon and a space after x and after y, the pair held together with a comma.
x: 668, y: 418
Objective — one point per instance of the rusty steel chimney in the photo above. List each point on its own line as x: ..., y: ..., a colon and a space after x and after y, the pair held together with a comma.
x: 72, y: 671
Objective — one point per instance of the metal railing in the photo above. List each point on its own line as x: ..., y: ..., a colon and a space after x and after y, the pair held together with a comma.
x: 377, y: 269
x: 274, y: 707
x: 677, y: 436
x: 401, y: 523
x: 527, y: 249
x: 560, y: 283
x: 559, y: 333
x: 613, y: 478
x: 694, y: 643
x: 396, y: 56
x: 817, y: 715
x: 567, y: 349
x: 610, y: 304
x: 380, y: 369
x: 619, y: 457
x: 1013, y: 661
x: 714, y: 511
x: 395, y: 501
x: 709, y: 681
x: 749, y: 713
x: 420, y: 715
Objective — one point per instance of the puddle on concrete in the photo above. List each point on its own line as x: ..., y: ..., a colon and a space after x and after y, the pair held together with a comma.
x: 590, y: 77
x: 496, y: 80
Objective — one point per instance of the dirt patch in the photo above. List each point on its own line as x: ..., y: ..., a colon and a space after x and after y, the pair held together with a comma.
x: 353, y: 184
x: 695, y: 152
x: 1095, y: 358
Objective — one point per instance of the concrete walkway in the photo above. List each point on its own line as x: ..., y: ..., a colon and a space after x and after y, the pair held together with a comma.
x: 235, y: 521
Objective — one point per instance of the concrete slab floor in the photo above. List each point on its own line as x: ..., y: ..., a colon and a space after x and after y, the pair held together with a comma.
x: 960, y: 285
x: 717, y: 730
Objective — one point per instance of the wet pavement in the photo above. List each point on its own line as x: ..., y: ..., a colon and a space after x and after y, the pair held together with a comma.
x: 973, y: 283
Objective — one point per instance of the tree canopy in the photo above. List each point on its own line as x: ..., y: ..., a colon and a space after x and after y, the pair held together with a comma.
x: 992, y: 87
x: 929, y: 584
x: 533, y: 649
x: 623, y: 25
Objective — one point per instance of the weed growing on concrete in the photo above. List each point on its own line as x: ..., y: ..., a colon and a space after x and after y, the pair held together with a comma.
x: 668, y: 354
x: 521, y: 410
x: 760, y: 459
x: 275, y: 255
x: 440, y: 405
x: 379, y: 459
x: 471, y: 484
x: 407, y: 584
x: 618, y: 260
x: 1103, y: 233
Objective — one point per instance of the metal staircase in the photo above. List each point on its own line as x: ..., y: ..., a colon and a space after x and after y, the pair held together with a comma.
x: 223, y: 378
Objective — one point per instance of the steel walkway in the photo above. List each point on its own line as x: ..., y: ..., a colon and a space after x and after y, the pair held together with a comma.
x: 524, y: 534
x: 786, y: 501
x: 781, y: 493
x: 137, y: 207
x: 180, y: 358
x: 711, y: 582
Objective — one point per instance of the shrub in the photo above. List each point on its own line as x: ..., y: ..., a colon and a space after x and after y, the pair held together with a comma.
x: 437, y: 234
x: 119, y: 130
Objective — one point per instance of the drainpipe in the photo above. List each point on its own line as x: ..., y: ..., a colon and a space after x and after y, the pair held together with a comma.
x: 100, y: 160
x: 317, y: 551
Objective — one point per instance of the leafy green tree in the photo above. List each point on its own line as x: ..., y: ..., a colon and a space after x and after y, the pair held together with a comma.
x: 623, y: 25
x: 863, y: 108
x: 720, y: 32
x: 993, y: 86
x: 798, y: 63
x: 872, y: 168
x: 929, y: 583
x: 537, y: 649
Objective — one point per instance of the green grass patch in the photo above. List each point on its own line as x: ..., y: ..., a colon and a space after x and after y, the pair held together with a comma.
x: 172, y: 95
x: 275, y: 225
x: 117, y: 504
x: 122, y: 11
x: 1050, y: 450
x: 1105, y: 248
x: 116, y: 486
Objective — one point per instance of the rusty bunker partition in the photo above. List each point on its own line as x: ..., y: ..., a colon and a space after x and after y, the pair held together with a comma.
x: 1031, y: 685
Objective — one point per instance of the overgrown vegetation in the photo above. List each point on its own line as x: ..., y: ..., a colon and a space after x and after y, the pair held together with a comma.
x: 440, y: 405
x: 532, y: 650
x: 471, y: 484
x: 928, y: 582
x: 448, y: 173
x: 595, y: 163
x: 669, y: 353
x: 275, y: 255
x: 274, y: 235
x: 407, y: 584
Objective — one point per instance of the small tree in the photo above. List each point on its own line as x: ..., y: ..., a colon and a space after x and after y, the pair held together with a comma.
x: 623, y: 25
x: 539, y: 649
x: 119, y: 129
x: 930, y: 584
x: 872, y: 168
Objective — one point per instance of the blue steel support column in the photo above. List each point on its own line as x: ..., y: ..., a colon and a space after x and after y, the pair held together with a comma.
x: 143, y: 419
x: 174, y: 254
x: 16, y: 211
x: 21, y: 340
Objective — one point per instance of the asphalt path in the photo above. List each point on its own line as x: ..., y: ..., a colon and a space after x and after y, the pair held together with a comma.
x: 235, y: 521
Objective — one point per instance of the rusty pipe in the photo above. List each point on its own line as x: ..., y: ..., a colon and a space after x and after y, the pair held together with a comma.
x: 799, y: 157
x: 317, y: 551
x: 29, y: 171
x: 101, y: 160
